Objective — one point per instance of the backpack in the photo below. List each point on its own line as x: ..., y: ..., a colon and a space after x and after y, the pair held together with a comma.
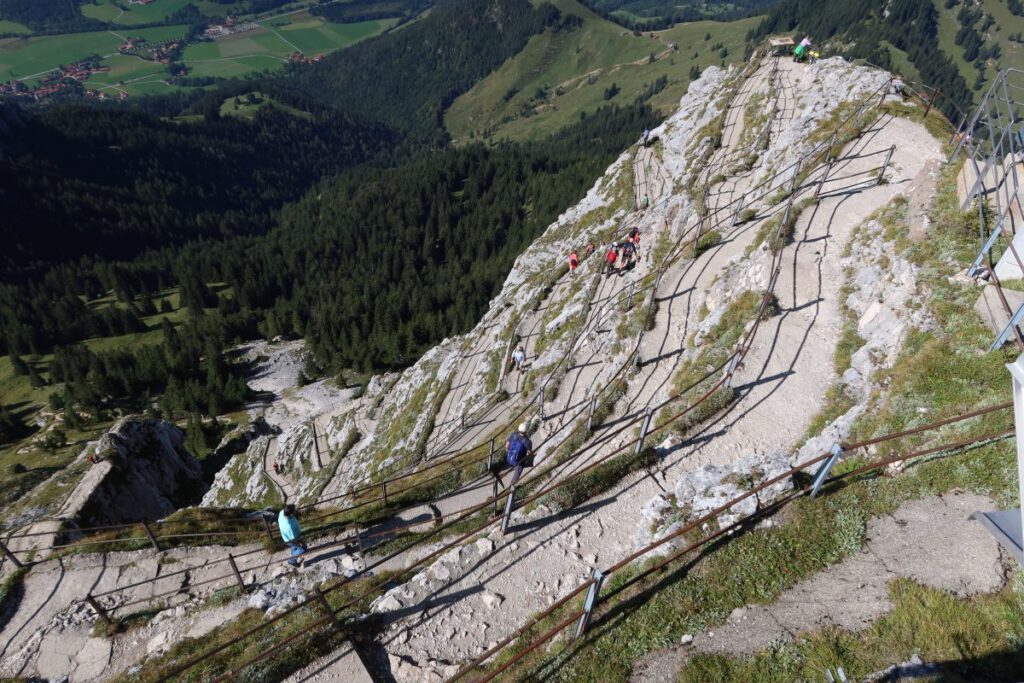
x: 518, y: 451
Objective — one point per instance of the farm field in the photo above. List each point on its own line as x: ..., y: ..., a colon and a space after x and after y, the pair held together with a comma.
x: 29, y: 58
x: 270, y: 47
x: 159, y: 10
x: 14, y: 27
x: 559, y: 75
x: 125, y: 72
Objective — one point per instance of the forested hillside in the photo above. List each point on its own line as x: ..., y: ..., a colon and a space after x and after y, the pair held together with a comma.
x: 111, y: 182
x: 408, y: 78
x: 866, y: 29
x: 147, y: 239
x: 49, y: 16
x: 372, y: 267
x: 658, y: 14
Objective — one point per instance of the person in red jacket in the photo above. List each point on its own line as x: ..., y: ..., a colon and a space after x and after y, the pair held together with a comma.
x: 611, y: 255
x: 574, y: 262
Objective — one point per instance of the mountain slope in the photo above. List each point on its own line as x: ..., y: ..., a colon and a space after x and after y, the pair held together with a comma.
x: 561, y: 75
x: 408, y: 78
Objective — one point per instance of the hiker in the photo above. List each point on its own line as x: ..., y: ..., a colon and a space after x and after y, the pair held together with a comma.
x: 574, y: 262
x: 610, y: 256
x: 647, y: 202
x: 291, y: 534
x: 646, y: 136
x: 628, y: 253
x: 518, y: 453
x: 634, y: 237
x: 800, y: 53
x: 590, y: 248
x: 277, y: 468
x: 622, y: 254
x: 898, y: 88
x: 518, y: 358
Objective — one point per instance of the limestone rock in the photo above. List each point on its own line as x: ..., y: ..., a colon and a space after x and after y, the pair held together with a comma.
x: 492, y: 600
x: 144, y: 472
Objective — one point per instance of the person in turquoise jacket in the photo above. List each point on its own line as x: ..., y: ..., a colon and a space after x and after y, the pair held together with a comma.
x: 291, y: 534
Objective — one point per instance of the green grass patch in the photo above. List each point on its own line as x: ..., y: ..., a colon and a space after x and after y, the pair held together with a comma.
x: 707, y: 241
x: 14, y: 27
x: 598, y: 480
x: 633, y: 619
x: 698, y: 375
x: 10, y: 589
x: 975, y: 639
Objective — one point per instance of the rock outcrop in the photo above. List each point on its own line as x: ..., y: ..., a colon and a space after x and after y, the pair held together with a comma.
x: 143, y: 471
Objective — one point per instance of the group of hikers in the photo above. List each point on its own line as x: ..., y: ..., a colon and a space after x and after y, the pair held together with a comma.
x: 622, y: 256
x: 619, y: 256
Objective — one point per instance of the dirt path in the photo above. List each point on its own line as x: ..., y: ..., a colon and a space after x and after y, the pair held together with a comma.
x: 50, y: 632
x: 789, y: 364
x: 854, y: 593
x: 284, y: 486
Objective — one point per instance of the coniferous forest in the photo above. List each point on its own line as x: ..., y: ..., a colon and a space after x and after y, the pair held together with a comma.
x: 348, y: 220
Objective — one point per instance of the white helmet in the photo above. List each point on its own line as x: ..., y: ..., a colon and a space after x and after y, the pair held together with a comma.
x: 522, y: 428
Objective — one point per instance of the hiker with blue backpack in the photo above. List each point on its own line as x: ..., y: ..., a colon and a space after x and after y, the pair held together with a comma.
x: 518, y: 453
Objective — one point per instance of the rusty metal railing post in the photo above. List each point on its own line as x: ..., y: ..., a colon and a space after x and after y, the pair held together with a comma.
x: 384, y: 492
x: 494, y: 498
x: 266, y: 525
x: 730, y: 369
x: 10, y: 555
x: 152, y: 538
x: 234, y: 568
x: 326, y: 606
x: 931, y: 101
x: 885, y: 164
x: 102, y: 613
x: 508, y: 509
x: 588, y: 604
x: 736, y: 213
x: 540, y: 401
x: 490, y: 455
x: 644, y: 428
x: 316, y: 444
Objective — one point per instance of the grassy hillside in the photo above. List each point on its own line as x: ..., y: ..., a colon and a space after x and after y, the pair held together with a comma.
x: 1005, y: 25
x: 561, y: 74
